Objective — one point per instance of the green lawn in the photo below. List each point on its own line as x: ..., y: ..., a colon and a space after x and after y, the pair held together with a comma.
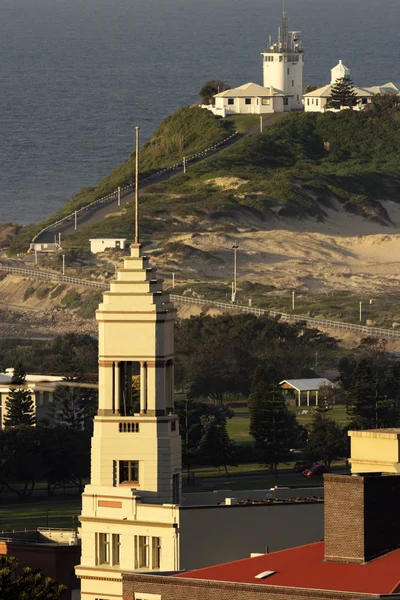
x: 238, y: 426
x: 31, y: 513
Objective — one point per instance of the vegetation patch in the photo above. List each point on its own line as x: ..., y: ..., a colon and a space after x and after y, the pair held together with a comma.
x: 29, y: 292
x: 71, y: 300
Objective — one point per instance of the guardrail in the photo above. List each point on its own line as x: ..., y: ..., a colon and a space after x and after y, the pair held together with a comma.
x: 129, y: 188
x: 373, y: 331
x: 48, y: 276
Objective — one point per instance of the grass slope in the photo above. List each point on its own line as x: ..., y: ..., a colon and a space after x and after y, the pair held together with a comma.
x: 188, y: 131
x: 300, y: 164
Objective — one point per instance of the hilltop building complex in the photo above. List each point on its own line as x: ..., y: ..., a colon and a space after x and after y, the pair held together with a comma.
x: 282, y: 87
x: 316, y: 100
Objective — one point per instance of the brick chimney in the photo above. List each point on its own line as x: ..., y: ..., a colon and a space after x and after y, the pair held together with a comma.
x: 362, y: 516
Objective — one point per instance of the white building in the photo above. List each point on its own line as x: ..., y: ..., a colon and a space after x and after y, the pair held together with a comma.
x: 133, y: 515
x: 100, y: 244
x: 41, y: 387
x: 249, y: 99
x: 282, y: 87
x: 316, y: 100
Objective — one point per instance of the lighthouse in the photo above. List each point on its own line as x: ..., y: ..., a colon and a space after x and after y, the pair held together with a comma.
x: 283, y: 63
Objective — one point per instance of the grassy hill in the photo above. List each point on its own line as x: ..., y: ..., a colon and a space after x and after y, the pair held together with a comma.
x: 297, y: 167
x: 188, y: 131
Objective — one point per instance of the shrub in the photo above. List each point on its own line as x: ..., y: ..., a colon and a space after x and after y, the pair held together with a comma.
x: 57, y: 290
x: 42, y: 292
x: 71, y: 300
x: 28, y: 292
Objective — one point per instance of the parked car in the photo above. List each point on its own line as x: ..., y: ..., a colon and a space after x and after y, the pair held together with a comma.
x: 315, y: 471
x: 302, y: 465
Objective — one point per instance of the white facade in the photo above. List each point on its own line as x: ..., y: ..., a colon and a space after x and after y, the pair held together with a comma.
x: 283, y: 64
x: 130, y: 508
x: 282, y: 87
x: 316, y: 100
x: 339, y: 72
x: 101, y: 244
x: 41, y: 387
x: 248, y: 99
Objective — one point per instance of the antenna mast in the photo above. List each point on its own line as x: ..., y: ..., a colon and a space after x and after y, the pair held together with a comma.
x: 284, y: 28
x: 137, y: 188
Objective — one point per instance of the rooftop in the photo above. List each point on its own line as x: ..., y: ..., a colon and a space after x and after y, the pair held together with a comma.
x: 249, y: 90
x: 307, y: 385
x: 304, y: 567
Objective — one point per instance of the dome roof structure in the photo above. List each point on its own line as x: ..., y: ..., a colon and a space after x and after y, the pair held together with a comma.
x: 339, y: 71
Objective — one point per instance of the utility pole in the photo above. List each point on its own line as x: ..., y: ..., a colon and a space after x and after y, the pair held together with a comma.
x: 173, y: 280
x: 36, y: 256
x: 119, y: 196
x: 63, y: 264
x: 261, y: 124
x: 360, y: 312
x: 234, y: 287
x: 184, y: 164
x: 292, y: 300
x: 137, y: 188
x: 59, y: 239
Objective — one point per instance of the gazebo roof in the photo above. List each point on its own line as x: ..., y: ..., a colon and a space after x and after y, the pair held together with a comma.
x: 307, y: 385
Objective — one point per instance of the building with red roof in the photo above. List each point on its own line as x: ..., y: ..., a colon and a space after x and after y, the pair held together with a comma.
x: 359, y: 558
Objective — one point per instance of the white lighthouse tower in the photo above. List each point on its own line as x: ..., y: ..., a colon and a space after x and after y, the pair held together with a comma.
x: 283, y: 63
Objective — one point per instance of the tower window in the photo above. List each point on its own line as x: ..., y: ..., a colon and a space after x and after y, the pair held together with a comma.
x: 316, y: 101
x: 286, y: 101
x: 292, y: 83
x: 173, y: 425
x: 128, y: 471
x: 155, y: 553
x: 247, y: 101
x: 104, y: 548
x: 288, y: 71
x: 116, y: 548
x: 230, y: 101
x: 142, y: 554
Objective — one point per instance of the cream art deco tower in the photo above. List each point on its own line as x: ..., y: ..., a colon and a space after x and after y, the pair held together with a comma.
x: 283, y: 64
x: 130, y: 508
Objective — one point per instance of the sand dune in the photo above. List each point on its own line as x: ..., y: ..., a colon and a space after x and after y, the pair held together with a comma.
x: 345, y: 252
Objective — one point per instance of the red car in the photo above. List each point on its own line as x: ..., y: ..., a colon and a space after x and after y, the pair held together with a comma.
x: 315, y: 471
x: 302, y: 465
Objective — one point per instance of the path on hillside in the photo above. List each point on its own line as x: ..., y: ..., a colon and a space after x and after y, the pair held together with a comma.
x: 102, y: 211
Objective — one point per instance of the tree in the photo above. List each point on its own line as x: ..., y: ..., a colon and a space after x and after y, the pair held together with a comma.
x: 270, y: 424
x: 373, y: 391
x: 326, y: 439
x: 74, y: 406
x: 215, y: 445
x: 342, y: 94
x: 26, y: 583
x: 20, y: 409
x: 210, y: 88
x: 310, y: 88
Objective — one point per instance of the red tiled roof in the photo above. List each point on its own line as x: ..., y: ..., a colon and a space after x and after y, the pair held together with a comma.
x: 304, y: 567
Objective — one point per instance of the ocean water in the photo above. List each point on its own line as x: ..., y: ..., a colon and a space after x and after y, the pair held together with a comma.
x: 77, y: 76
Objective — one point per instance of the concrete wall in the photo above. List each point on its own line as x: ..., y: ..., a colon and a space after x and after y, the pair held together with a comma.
x: 213, y: 535
x: 98, y: 245
x: 215, y: 497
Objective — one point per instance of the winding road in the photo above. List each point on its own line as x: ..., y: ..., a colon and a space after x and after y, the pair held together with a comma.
x: 100, y: 211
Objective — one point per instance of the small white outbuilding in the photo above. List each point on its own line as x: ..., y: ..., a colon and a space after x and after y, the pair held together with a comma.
x: 100, y: 244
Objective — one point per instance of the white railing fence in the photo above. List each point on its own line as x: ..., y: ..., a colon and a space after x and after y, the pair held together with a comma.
x: 372, y: 331
x: 129, y: 188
